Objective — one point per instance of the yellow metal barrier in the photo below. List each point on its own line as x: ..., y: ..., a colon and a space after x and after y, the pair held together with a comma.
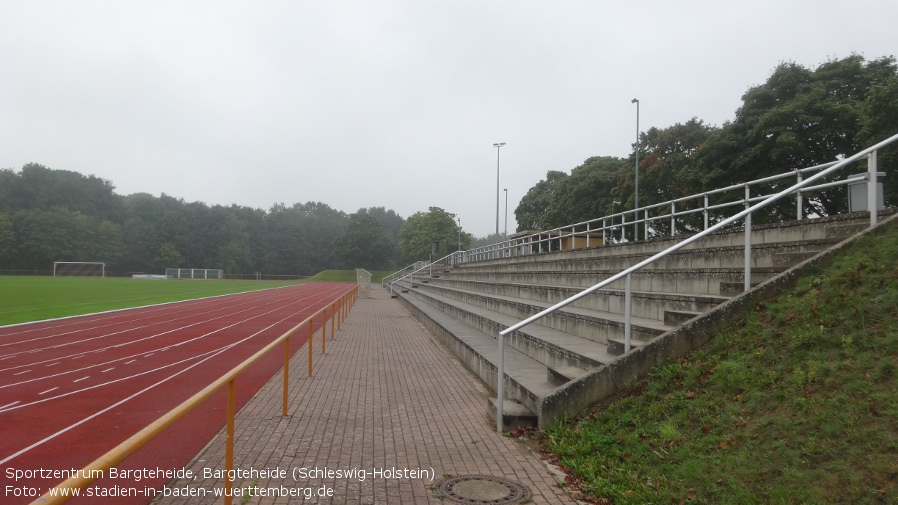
x: 101, y: 465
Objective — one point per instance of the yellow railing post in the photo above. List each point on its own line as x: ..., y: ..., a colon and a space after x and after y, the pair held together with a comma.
x: 129, y: 446
x: 340, y: 308
x: 311, y: 334
x: 286, y: 371
x: 324, y: 331
x: 333, y: 324
x: 229, y: 443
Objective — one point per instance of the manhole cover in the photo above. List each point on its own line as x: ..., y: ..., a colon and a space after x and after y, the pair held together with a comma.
x: 482, y: 490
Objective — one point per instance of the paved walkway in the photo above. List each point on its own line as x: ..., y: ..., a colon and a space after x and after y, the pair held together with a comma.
x: 389, y: 405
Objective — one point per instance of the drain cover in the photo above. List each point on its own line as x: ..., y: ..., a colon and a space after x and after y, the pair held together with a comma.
x: 482, y: 490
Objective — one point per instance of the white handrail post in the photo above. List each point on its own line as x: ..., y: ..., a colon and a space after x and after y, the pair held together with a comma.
x: 628, y: 303
x: 706, y: 211
x: 747, y: 240
x: 800, y: 203
x: 872, y: 200
x: 645, y: 222
x: 673, y: 219
x: 500, y: 384
x: 623, y: 225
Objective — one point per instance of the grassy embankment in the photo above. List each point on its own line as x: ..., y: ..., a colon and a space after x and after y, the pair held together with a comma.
x: 346, y: 276
x: 794, y: 402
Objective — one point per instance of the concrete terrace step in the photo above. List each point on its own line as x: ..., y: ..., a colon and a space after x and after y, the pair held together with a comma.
x: 549, y: 346
x: 838, y: 227
x: 578, y: 330
x: 704, y: 281
x: 645, y: 304
x: 526, y: 378
x: 763, y: 255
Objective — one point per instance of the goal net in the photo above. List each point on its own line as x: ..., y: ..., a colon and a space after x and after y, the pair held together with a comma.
x: 79, y: 269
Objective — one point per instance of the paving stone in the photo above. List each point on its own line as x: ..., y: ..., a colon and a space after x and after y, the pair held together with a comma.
x: 386, y: 401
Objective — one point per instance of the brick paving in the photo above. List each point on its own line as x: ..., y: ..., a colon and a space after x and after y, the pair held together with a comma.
x: 386, y: 395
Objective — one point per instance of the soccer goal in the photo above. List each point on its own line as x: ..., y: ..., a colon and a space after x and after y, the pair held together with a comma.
x: 79, y: 269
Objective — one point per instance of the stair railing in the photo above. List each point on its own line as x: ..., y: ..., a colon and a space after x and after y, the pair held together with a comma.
x: 872, y: 202
x: 606, y: 229
x: 423, y: 265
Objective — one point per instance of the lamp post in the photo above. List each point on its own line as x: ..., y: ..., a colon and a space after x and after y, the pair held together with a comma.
x: 636, y: 194
x: 497, y: 145
x: 459, y: 233
x: 506, y: 212
x: 500, y: 380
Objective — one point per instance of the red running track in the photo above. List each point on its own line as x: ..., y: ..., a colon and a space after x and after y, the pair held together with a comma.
x: 72, y: 389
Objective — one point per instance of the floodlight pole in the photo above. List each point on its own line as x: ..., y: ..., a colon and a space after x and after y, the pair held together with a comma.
x: 636, y: 179
x: 500, y: 379
x: 497, y: 145
x: 506, y: 212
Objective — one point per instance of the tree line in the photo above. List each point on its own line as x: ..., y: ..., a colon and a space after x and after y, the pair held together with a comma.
x: 51, y: 215
x: 798, y: 118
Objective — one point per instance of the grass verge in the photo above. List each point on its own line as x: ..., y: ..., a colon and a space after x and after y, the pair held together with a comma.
x: 29, y: 298
x: 794, y: 402
x: 346, y: 276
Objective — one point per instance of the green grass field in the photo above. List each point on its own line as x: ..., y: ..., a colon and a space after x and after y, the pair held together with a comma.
x: 35, y: 298
x: 29, y: 298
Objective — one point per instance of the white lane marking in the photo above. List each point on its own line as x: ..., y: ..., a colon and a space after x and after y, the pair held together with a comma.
x: 265, y: 301
x: 81, y: 379
x: 120, y: 402
x: 129, y: 362
x: 51, y: 364
x: 108, y: 369
x: 9, y: 404
x: 23, y: 371
x: 47, y: 391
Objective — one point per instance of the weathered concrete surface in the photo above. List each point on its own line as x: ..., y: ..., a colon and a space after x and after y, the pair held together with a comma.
x: 579, y: 394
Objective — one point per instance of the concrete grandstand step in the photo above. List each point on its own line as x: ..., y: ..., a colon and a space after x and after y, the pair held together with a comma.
x: 651, y: 305
x: 575, y: 330
x: 549, y: 346
x: 731, y: 256
x: 558, y: 376
x: 697, y: 281
x: 678, y: 317
x: 526, y: 379
x: 514, y: 415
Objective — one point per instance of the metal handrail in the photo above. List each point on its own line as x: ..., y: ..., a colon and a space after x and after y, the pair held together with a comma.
x: 746, y: 214
x: 426, y: 266
x: 340, y: 307
x: 619, y: 219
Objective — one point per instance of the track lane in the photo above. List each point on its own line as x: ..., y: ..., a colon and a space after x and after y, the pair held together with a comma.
x: 114, y: 400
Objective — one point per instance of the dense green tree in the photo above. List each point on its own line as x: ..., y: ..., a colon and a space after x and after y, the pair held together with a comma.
x: 365, y: 243
x: 423, y: 229
x: 8, y: 247
x: 879, y: 121
x: 586, y: 194
x: 109, y: 246
x: 168, y: 256
x: 391, y: 222
x: 56, y: 234
x: 798, y: 118
x: 531, y: 211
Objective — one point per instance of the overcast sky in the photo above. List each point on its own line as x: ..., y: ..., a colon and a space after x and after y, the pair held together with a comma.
x: 389, y: 103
